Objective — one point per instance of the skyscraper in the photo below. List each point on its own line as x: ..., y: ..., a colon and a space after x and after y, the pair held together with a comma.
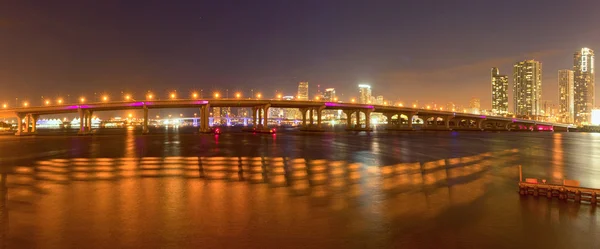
x: 329, y: 95
x: 303, y: 91
x: 365, y: 93
x: 475, y: 105
x: 584, y: 85
x: 527, y: 88
x: 565, y: 95
x: 499, y: 92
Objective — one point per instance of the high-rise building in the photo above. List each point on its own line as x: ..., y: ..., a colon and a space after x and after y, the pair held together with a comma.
x: 365, y: 94
x: 565, y: 95
x: 329, y: 95
x: 584, y: 85
x: 527, y: 88
x: 475, y: 105
x: 303, y: 91
x: 499, y: 92
x: 379, y: 100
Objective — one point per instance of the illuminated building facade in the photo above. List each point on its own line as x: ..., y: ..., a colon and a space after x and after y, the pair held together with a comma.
x: 565, y: 95
x: 584, y: 85
x: 365, y: 94
x: 499, y: 92
x: 303, y: 91
x: 527, y: 88
x: 329, y: 95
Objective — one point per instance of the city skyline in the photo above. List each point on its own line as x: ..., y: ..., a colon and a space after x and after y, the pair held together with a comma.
x: 42, y: 51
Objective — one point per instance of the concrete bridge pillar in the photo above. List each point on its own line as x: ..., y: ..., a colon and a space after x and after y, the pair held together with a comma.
x: 20, y: 126
x: 311, y: 116
x: 357, y: 119
x: 389, y: 116
x: 410, y: 117
x: 145, y: 125
x: 204, y: 118
x: 266, y: 118
x: 319, y: 116
x: 81, y: 122
x: 424, y: 118
x: 447, y: 122
x: 368, y: 119
x: 34, y: 119
x: 88, y: 120
x: 479, y: 124
x: 303, y: 111
x: 348, y: 119
x: 254, y: 117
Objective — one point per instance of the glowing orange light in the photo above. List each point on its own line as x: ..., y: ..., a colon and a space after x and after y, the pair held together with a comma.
x: 216, y: 95
x: 47, y: 102
x: 353, y: 100
x: 25, y: 104
x: 105, y: 98
x: 127, y: 97
x: 278, y: 96
x: 172, y: 95
x: 258, y: 96
x: 194, y: 95
x: 149, y: 96
x: 82, y: 100
x: 4, y: 106
x: 60, y: 101
x: 238, y: 95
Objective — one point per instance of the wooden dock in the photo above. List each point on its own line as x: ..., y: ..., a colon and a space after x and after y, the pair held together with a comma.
x: 569, y: 190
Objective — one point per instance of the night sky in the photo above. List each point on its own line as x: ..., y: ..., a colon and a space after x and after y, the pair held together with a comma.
x: 407, y: 50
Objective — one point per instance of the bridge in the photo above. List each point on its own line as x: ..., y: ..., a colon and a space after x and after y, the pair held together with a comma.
x: 398, y: 118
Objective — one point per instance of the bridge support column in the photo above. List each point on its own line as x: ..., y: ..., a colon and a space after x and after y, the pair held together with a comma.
x: 20, y: 126
x: 357, y: 120
x: 319, y: 116
x: 368, y: 120
x: 266, y: 118
x: 34, y: 119
x: 254, y: 117
x: 303, y: 111
x: 145, y: 125
x: 312, y: 117
x: 410, y: 120
x: 479, y: 123
x: 348, y: 119
x: 89, y: 121
x: 81, y: 122
x: 391, y: 126
x: 204, y: 117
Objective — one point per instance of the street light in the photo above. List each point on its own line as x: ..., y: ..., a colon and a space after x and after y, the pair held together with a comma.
x: 317, y: 98
x: 82, y: 99
x: 401, y: 105
x: 353, y: 100
x: 279, y: 96
x: 172, y: 96
x: 194, y: 95
x: 47, y: 102
x: 216, y: 95
x: 127, y: 97
x: 4, y: 106
x: 60, y: 101
x: 335, y: 99
x: 105, y: 98
x: 149, y: 96
x: 25, y: 104
x: 258, y: 96
x: 238, y: 95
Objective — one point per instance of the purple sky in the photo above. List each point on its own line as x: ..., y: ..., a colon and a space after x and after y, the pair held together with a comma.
x: 407, y: 50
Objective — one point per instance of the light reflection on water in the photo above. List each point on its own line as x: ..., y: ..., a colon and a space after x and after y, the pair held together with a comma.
x: 387, y: 192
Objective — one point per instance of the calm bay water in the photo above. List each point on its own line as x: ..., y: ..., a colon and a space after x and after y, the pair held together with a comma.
x: 177, y: 189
